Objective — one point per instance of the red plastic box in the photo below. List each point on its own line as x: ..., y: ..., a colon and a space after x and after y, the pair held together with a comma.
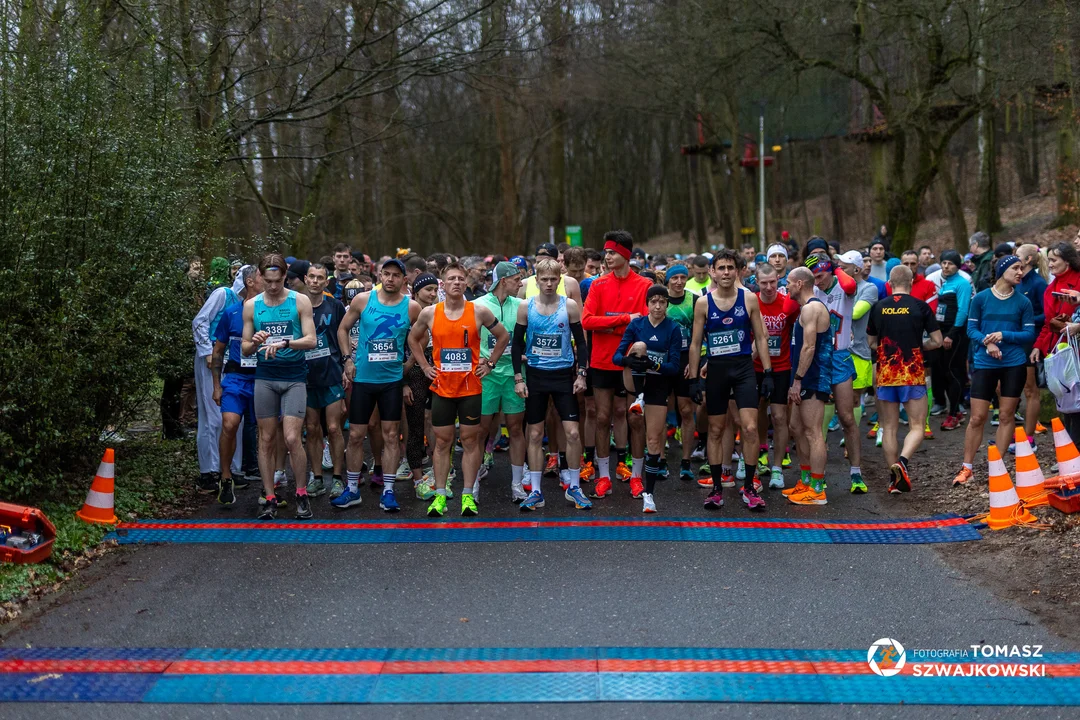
x: 20, y: 517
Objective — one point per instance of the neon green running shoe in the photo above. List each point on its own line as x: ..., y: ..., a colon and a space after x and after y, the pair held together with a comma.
x: 858, y: 487
x: 787, y: 460
x: 468, y: 506
x: 437, y: 508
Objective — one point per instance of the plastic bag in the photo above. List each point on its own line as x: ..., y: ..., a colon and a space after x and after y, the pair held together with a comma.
x: 1062, y: 367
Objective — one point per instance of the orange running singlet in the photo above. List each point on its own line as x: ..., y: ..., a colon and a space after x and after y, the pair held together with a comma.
x: 456, y: 352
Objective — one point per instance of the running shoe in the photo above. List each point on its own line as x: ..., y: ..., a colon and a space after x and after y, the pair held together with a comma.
x: 776, y: 480
x: 937, y: 410
x: 376, y: 480
x: 995, y: 418
x: 686, y: 474
x: 347, y: 499
x: 763, y: 459
x: 226, y: 492
x: 877, y: 440
x: 858, y: 487
x: 404, y: 472
x: 740, y: 470
x: 752, y: 499
x: 450, y: 478
x: 950, y: 423
x: 901, y: 481
x: 648, y: 506
x: 873, y: 419
x: 564, y: 479
x: 502, y: 443
x: 208, y: 483
x: 799, y: 488
x: 872, y: 432
x: 316, y: 486
x: 705, y: 481
x: 787, y: 460
x: 727, y: 481
x: 928, y: 434
x: 250, y: 476
x: 623, y: 471
x: 715, y: 501
x: 588, y: 471
x: 482, y: 472
x: 525, y: 477
x: 424, y: 488
x: 280, y: 480
x: 532, y: 502
x: 576, y: 496
x: 269, y: 510
x: 903, y: 416
x: 758, y: 487
x: 834, y: 424
x: 705, y: 469
x: 517, y: 492
x: 303, y: 507
x: 699, y: 452
x: 437, y: 508
x: 809, y: 498
x: 468, y: 506
x: 327, y: 461
x: 638, y: 406
x: 636, y: 487
x: 552, y: 467
x: 662, y: 473
x: 602, y: 487
x: 476, y: 493
x: 388, y: 501
x: 963, y: 476
x: 489, y: 460
x: 1039, y: 428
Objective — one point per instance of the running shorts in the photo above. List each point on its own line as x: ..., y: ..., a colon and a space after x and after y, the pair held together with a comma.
x: 843, y: 369
x: 781, y: 385
x: 499, y: 395
x: 730, y: 379
x: 465, y: 410
x: 238, y: 395
x: 900, y: 393
x: 681, y: 386
x: 556, y: 385
x: 864, y: 373
x: 984, y: 382
x: 322, y: 397
x: 388, y: 397
x: 280, y: 398
x: 655, y: 389
x: 608, y: 380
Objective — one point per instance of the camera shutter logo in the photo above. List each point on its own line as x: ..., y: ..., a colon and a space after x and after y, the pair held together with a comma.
x: 886, y: 657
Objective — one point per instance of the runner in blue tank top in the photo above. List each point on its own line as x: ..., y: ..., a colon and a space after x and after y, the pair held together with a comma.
x: 811, y: 359
x: 375, y: 374
x: 278, y: 326
x: 728, y: 320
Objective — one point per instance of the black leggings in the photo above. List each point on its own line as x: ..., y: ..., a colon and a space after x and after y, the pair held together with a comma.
x: 950, y: 375
x: 414, y: 416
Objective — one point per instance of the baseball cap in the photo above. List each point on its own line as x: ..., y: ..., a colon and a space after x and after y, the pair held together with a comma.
x: 638, y: 253
x: 503, y: 270
x: 520, y: 262
x: 549, y: 250
x: 852, y: 257
x: 299, y: 268
x: 394, y: 262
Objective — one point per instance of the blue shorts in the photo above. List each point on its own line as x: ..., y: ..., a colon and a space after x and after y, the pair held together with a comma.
x: 900, y: 393
x: 318, y: 398
x: 843, y: 367
x: 238, y: 395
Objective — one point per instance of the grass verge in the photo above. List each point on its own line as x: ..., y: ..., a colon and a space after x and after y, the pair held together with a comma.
x: 154, y: 478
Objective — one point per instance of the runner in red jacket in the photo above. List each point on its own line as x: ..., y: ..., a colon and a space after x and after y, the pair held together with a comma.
x: 614, y: 300
x: 1064, y: 262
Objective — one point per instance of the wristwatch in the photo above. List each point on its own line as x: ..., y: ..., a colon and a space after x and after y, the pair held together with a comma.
x: 583, y: 372
x: 798, y: 377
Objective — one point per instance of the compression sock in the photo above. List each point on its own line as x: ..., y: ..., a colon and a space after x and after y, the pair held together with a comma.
x: 830, y: 411
x: 562, y: 461
x: 817, y: 480
x: 717, y: 478
x: 652, y: 471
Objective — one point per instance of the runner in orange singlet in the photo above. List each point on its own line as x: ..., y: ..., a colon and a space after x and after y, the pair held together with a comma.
x: 456, y: 391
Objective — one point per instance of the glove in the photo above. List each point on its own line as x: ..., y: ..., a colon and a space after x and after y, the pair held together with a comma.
x: 697, y: 391
x: 767, y: 385
x: 639, y: 363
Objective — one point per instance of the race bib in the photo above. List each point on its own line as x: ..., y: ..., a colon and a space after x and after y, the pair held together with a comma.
x: 491, y: 341
x: 685, y: 332
x: 249, y: 361
x: 279, y: 332
x: 321, y: 350
x: 382, y: 350
x: 546, y: 345
x: 725, y: 342
x: 655, y: 357
x: 939, y: 315
x: 456, y: 360
x: 774, y: 346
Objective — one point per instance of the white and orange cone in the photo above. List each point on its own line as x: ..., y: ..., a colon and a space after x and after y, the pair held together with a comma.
x: 98, y: 507
x: 1029, y: 476
x: 1005, y: 508
x: 1068, y: 458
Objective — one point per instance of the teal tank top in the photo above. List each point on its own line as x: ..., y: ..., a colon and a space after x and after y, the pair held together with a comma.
x: 380, y: 341
x: 281, y: 321
x: 547, y: 340
x: 231, y: 299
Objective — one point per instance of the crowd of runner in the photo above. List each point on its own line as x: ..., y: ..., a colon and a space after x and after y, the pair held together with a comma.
x: 609, y: 356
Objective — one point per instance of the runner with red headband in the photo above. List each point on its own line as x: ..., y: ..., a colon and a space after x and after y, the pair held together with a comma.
x: 614, y: 300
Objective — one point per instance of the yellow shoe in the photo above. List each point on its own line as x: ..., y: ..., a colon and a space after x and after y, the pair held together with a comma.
x: 928, y: 434
x: 809, y: 498
x: 799, y: 489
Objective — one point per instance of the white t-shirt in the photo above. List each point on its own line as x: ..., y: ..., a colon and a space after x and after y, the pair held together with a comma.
x: 841, y: 308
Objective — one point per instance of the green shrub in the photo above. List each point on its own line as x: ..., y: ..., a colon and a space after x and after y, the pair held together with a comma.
x: 103, y: 188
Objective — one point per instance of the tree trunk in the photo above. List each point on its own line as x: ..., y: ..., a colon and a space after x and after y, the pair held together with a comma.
x: 955, y: 209
x: 879, y: 180
x: 834, y: 200
x: 553, y: 27
x: 987, y: 217
x: 701, y: 229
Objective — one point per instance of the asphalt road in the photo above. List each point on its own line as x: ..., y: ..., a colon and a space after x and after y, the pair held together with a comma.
x: 533, y: 594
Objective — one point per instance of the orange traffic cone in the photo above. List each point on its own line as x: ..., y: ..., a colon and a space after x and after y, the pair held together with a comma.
x: 1029, y: 476
x: 1067, y: 456
x: 98, y: 507
x: 1005, y: 508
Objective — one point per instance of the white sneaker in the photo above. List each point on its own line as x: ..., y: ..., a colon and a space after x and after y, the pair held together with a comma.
x: 776, y: 480
x: 517, y: 492
x: 482, y: 472
x: 327, y: 461
x: 740, y: 471
x: 877, y: 440
x: 279, y: 479
x: 404, y: 472
x: 638, y: 406
x: 648, y: 506
x: 476, y: 491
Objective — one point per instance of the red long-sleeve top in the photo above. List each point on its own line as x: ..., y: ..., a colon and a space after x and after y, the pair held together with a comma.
x: 607, y: 312
x: 1052, y: 307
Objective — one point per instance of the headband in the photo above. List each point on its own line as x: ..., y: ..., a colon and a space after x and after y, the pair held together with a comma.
x: 616, y: 247
x: 677, y: 269
x: 777, y: 249
x: 1004, y: 264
